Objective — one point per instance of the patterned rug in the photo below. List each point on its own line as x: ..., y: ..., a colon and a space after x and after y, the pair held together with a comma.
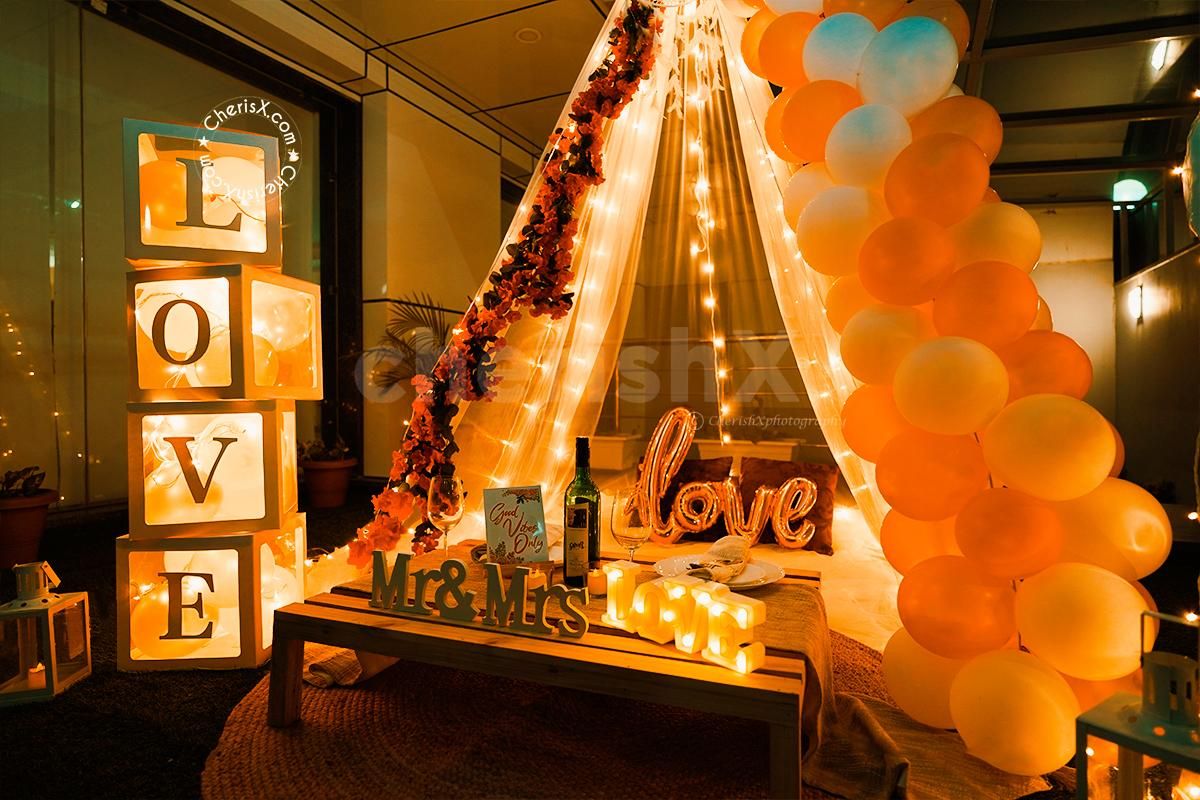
x: 419, y: 731
x: 431, y: 732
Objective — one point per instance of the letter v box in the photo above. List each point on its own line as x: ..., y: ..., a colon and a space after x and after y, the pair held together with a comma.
x: 205, y: 601
x: 210, y: 468
x: 222, y: 331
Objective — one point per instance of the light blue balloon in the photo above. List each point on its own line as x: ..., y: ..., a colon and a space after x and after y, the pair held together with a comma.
x: 835, y: 47
x: 909, y: 65
x: 864, y: 143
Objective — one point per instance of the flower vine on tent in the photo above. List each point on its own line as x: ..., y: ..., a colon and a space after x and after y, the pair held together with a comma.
x: 534, y: 275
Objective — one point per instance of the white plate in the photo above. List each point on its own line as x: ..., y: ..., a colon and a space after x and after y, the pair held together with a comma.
x: 757, y: 573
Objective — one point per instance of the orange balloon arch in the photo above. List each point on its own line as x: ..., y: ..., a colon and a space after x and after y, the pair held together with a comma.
x: 1006, y: 511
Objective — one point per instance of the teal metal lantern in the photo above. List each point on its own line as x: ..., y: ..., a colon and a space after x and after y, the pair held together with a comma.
x: 1163, y: 723
x: 1191, y: 177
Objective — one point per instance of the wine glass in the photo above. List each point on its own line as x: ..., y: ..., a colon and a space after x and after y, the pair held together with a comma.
x: 445, y: 505
x: 620, y: 522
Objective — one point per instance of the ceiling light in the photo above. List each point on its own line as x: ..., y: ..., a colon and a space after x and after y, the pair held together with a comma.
x: 1129, y: 190
x: 1158, y: 57
x: 528, y: 35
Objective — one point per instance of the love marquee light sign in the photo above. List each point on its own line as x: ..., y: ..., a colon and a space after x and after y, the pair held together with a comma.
x: 700, y: 617
x: 221, y: 345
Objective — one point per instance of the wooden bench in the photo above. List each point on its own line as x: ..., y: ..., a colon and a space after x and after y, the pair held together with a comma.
x: 606, y: 661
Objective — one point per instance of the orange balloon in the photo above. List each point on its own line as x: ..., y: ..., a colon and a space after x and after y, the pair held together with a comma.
x: 1044, y: 321
x: 927, y: 476
x: 774, y: 126
x: 1046, y: 362
x: 845, y: 299
x: 905, y: 260
x: 940, y: 177
x: 965, y: 115
x: 990, y: 302
x: 163, y: 188
x: 997, y: 232
x: 811, y: 114
x: 1008, y: 533
x: 870, y: 420
x: 953, y: 608
x: 1119, y: 460
x: 947, y: 12
x: 990, y: 195
x: 907, y: 542
x: 781, y: 50
x: 880, y: 12
x: 877, y: 339
x: 752, y: 37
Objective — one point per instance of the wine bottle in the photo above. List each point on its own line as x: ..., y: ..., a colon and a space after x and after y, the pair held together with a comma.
x: 581, y: 520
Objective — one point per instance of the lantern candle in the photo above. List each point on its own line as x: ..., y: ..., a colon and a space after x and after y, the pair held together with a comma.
x: 597, y: 583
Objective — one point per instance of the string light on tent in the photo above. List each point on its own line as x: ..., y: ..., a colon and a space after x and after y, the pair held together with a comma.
x: 697, y: 77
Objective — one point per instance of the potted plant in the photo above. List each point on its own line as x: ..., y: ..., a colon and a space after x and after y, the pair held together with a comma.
x: 327, y: 471
x: 23, y: 507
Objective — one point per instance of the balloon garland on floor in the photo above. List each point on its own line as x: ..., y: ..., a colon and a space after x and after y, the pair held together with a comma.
x: 1019, y: 547
x: 534, y: 276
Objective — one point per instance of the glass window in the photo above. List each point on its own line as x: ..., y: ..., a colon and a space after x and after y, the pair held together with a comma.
x: 67, y: 79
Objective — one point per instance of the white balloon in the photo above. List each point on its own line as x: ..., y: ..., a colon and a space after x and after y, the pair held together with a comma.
x: 953, y: 91
x: 789, y: 6
x: 864, y: 143
x: 909, y: 65
x: 918, y: 680
x: 1082, y: 620
x: 835, y: 47
x: 809, y: 181
x: 1015, y: 712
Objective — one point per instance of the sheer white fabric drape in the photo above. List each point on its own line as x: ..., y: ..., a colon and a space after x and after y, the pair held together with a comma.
x: 798, y: 290
x: 554, y: 374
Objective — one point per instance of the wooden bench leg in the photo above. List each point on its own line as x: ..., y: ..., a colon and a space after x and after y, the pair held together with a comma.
x: 287, y: 666
x: 785, y: 758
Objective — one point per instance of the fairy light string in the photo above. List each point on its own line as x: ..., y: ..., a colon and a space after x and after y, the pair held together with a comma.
x: 698, y: 81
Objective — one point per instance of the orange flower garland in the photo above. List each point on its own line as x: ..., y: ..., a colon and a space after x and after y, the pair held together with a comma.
x: 535, y: 276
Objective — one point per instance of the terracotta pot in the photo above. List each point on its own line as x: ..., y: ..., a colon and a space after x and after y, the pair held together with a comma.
x: 22, y: 520
x: 326, y: 482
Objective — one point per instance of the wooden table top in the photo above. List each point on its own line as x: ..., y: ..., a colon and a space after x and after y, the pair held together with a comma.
x: 793, y: 608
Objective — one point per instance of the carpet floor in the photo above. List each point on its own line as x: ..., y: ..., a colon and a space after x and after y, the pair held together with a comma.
x: 147, y: 735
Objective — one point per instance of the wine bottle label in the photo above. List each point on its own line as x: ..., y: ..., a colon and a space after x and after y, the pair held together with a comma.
x: 575, y: 540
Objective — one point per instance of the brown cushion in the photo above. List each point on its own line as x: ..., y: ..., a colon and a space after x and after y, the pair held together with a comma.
x: 713, y: 470
x: 769, y: 472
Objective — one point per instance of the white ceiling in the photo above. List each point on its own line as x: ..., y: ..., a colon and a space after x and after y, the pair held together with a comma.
x: 469, y: 50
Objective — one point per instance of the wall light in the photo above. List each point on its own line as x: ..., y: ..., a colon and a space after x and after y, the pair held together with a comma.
x: 1134, y: 303
x: 1158, y: 56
